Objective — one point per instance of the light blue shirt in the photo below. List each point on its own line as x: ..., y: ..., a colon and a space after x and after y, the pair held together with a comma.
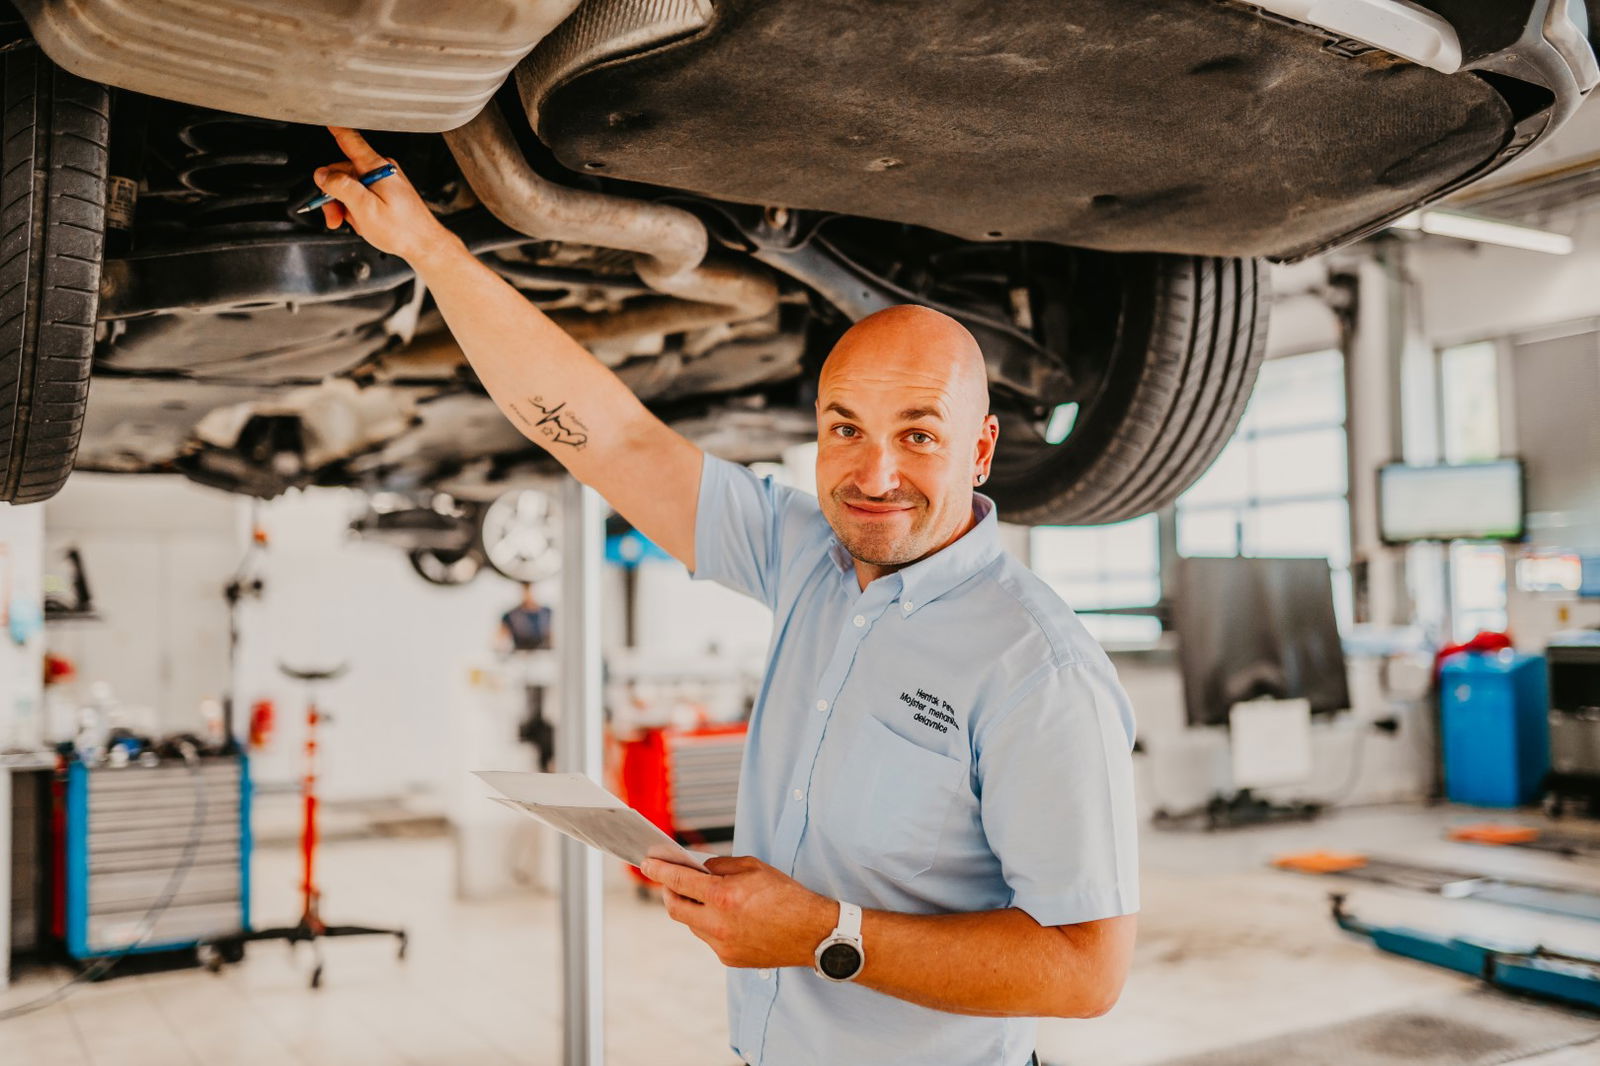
x: 948, y: 740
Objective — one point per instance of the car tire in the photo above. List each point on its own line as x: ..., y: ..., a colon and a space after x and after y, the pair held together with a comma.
x: 451, y: 569
x: 1177, y: 356
x: 53, y: 139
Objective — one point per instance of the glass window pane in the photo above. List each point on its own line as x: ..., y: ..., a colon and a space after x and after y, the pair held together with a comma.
x: 1131, y: 592
x: 1301, y: 464
x: 1100, y: 566
x: 1478, y: 588
x: 1123, y: 629
x: 1228, y: 480
x: 1208, y: 532
x: 1130, y: 547
x: 1060, y: 551
x: 1319, y: 529
x: 1469, y: 382
x: 1299, y: 390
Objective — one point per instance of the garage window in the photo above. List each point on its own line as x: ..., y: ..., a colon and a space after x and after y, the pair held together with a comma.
x: 1279, y: 487
x: 1469, y: 423
x: 1100, y: 567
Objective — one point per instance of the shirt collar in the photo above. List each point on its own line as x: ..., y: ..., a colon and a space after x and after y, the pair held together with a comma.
x: 929, y: 578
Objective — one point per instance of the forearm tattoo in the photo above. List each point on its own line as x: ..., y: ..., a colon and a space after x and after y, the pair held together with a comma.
x: 553, y: 421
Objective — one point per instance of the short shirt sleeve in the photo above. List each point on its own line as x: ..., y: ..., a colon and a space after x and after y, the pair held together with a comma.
x: 737, y: 529
x: 1055, y: 771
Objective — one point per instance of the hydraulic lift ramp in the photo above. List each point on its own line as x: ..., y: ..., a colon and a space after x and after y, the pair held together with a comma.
x: 1451, y: 884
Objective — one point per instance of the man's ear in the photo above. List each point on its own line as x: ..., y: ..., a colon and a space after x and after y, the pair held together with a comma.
x: 988, y: 438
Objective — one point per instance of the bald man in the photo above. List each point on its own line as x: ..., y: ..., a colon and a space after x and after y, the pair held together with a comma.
x: 935, y: 840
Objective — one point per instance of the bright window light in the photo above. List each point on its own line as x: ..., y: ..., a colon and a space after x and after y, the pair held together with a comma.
x: 1062, y: 419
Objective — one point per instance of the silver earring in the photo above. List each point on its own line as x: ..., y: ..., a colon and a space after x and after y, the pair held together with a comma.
x: 982, y: 478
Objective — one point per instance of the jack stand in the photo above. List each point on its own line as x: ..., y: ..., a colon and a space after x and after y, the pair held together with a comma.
x: 310, y: 928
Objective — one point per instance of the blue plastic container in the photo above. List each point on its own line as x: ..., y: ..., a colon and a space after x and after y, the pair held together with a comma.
x: 1495, y: 718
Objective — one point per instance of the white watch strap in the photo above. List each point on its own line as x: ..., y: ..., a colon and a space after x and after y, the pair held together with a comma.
x: 849, y: 921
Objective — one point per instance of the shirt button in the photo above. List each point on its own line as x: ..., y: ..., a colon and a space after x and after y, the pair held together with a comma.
x: 906, y: 606
x: 765, y: 975
x: 822, y: 705
x: 860, y: 620
x: 798, y: 795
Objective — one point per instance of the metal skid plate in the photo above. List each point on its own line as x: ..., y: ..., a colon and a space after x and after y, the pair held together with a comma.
x: 412, y: 65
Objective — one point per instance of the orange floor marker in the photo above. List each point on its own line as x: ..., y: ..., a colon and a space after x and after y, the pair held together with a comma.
x: 1320, y: 862
x: 1490, y: 833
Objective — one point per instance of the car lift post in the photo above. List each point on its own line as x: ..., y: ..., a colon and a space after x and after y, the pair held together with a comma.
x: 579, y: 749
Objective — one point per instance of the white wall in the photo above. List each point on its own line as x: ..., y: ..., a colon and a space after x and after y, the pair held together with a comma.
x: 21, y: 601
x: 1474, y: 292
x: 158, y: 553
x: 331, y: 599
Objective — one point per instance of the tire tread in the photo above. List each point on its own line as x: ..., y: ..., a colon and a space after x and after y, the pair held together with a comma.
x: 1206, y: 338
x: 55, y: 132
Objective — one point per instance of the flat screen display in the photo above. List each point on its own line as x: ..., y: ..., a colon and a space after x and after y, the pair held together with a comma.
x: 1249, y: 628
x: 1472, y: 501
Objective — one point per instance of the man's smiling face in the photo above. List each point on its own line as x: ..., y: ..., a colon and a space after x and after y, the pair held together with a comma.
x: 903, y: 430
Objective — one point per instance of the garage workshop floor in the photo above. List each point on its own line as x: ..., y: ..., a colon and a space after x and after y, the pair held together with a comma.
x: 1233, y: 957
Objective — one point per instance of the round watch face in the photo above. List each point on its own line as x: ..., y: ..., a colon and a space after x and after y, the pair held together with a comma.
x: 840, y: 961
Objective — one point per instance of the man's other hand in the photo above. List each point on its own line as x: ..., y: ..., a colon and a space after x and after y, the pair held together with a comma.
x: 389, y: 213
x: 748, y: 912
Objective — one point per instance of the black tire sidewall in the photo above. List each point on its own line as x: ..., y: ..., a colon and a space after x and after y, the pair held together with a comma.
x: 1187, y: 343
x: 54, y: 134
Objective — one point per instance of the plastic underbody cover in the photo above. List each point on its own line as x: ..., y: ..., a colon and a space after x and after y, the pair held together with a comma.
x: 1129, y: 125
x: 415, y: 65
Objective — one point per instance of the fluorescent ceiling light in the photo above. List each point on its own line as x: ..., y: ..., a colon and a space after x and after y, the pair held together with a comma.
x: 1485, y: 231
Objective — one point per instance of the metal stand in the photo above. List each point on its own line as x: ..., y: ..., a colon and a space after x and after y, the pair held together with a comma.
x: 579, y: 750
x: 310, y: 928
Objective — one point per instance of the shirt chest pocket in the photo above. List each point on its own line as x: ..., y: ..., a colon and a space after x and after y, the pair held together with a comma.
x: 893, y: 800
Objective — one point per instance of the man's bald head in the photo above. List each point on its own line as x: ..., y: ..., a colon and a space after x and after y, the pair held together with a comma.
x: 920, y: 343
x: 903, y: 435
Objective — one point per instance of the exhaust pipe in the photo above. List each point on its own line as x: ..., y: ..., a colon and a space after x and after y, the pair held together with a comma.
x: 669, y: 243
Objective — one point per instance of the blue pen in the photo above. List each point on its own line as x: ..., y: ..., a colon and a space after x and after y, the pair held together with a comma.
x: 368, y: 178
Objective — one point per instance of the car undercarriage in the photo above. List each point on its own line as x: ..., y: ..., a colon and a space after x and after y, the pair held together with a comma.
x: 706, y: 196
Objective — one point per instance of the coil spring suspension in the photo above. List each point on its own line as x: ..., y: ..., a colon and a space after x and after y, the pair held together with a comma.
x: 242, y: 165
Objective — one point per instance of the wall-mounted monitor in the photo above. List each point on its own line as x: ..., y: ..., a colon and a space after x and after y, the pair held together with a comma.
x: 1468, y: 501
x: 1249, y: 628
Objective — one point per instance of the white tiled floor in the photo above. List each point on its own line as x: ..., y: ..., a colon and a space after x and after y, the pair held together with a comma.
x: 1229, y: 952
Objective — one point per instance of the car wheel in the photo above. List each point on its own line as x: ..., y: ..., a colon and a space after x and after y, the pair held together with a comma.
x: 1165, y: 350
x: 517, y: 536
x: 440, y: 567
x: 53, y: 137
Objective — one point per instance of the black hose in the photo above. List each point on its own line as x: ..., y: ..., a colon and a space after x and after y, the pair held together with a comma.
x: 102, y: 966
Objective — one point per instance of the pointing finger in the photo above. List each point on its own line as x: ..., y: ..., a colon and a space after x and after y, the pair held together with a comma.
x: 356, y: 148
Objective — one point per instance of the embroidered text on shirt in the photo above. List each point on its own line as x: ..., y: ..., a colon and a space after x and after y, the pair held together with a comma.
x: 932, y: 711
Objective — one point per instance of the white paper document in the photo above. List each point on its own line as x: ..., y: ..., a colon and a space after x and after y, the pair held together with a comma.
x: 575, y: 805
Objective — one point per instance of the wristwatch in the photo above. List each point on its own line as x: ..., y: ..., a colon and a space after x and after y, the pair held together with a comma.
x: 840, y: 957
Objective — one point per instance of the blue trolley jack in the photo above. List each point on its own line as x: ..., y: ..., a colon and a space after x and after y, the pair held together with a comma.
x: 1526, y: 969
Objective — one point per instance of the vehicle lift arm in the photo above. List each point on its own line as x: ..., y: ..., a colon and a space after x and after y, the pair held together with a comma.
x: 1530, y: 970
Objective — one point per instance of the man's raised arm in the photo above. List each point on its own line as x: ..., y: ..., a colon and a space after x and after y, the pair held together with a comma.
x: 551, y: 388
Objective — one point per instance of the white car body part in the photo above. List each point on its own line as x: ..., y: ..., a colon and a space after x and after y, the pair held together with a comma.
x: 373, y: 64
x: 1395, y: 26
